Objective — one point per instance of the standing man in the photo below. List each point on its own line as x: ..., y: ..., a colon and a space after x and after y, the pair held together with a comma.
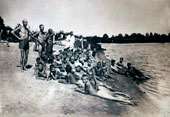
x: 23, y: 42
x: 70, y: 40
x: 49, y: 42
x: 41, y: 39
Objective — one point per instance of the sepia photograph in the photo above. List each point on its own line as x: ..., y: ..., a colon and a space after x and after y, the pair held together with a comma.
x: 84, y: 58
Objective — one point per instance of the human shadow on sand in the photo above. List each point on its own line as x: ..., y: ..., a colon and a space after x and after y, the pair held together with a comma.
x: 117, y: 101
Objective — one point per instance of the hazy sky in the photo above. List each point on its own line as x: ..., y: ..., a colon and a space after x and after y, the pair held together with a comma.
x: 90, y: 17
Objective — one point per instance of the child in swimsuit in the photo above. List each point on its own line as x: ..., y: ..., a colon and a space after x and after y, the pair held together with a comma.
x: 40, y: 72
x: 53, y: 75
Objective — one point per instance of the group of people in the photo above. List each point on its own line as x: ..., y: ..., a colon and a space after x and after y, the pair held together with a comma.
x: 127, y: 70
x: 44, y: 41
x: 82, y: 68
x: 72, y: 65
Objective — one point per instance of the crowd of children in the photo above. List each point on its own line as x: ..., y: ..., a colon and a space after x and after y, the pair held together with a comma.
x: 80, y: 67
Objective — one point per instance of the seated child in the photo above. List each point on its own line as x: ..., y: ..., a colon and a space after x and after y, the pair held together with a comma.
x: 98, y: 71
x: 93, y: 80
x: 105, y: 70
x: 113, y: 68
x: 89, y: 67
x: 78, y: 74
x: 38, y: 60
x: 89, y: 89
x: 53, y: 75
x: 40, y: 72
x: 70, y: 78
x: 120, y: 66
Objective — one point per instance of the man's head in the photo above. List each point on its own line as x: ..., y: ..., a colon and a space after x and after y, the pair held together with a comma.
x: 129, y: 65
x: 75, y: 57
x: 52, y: 68
x: 103, y: 63
x: 71, y: 33
x: 38, y: 60
x: 60, y: 51
x: 68, y: 68
x: 72, y: 60
x: 121, y: 59
x: 62, y: 32
x: 24, y: 22
x: 8, y: 31
x: 78, y: 68
x: 89, y: 62
x: 113, y: 62
x: 50, y: 31
x: 98, y: 64
x: 57, y: 57
x: 41, y: 26
x: 40, y: 66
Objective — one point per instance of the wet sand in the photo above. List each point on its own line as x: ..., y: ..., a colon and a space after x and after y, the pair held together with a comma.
x: 21, y: 95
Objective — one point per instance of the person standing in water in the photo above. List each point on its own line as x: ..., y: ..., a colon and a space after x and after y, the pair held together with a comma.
x: 23, y: 38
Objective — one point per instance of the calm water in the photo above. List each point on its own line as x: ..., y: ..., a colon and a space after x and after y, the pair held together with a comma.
x: 153, y: 60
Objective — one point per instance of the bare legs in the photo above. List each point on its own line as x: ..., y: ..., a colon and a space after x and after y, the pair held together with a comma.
x: 40, y: 50
x: 24, y: 58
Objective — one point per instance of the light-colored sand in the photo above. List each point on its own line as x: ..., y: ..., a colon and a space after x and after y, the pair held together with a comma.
x: 21, y: 95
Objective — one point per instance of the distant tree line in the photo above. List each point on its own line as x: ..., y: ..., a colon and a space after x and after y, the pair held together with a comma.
x: 5, y: 31
x: 120, y: 38
x: 133, y: 38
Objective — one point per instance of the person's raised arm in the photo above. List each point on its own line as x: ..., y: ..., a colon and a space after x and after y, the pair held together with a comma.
x: 16, y: 29
x: 36, y: 33
x: 53, y: 37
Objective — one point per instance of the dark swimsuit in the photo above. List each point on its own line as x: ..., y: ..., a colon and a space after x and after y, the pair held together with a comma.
x: 24, y: 44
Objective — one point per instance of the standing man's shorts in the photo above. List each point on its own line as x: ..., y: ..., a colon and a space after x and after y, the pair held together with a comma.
x: 24, y: 44
x: 42, y: 44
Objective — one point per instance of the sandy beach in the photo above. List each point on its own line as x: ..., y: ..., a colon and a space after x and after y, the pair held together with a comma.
x: 21, y: 95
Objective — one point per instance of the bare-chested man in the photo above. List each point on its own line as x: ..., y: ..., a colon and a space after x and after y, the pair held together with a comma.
x: 41, y: 39
x: 23, y: 43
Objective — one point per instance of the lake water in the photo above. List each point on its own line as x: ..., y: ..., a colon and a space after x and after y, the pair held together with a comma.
x: 153, y: 60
